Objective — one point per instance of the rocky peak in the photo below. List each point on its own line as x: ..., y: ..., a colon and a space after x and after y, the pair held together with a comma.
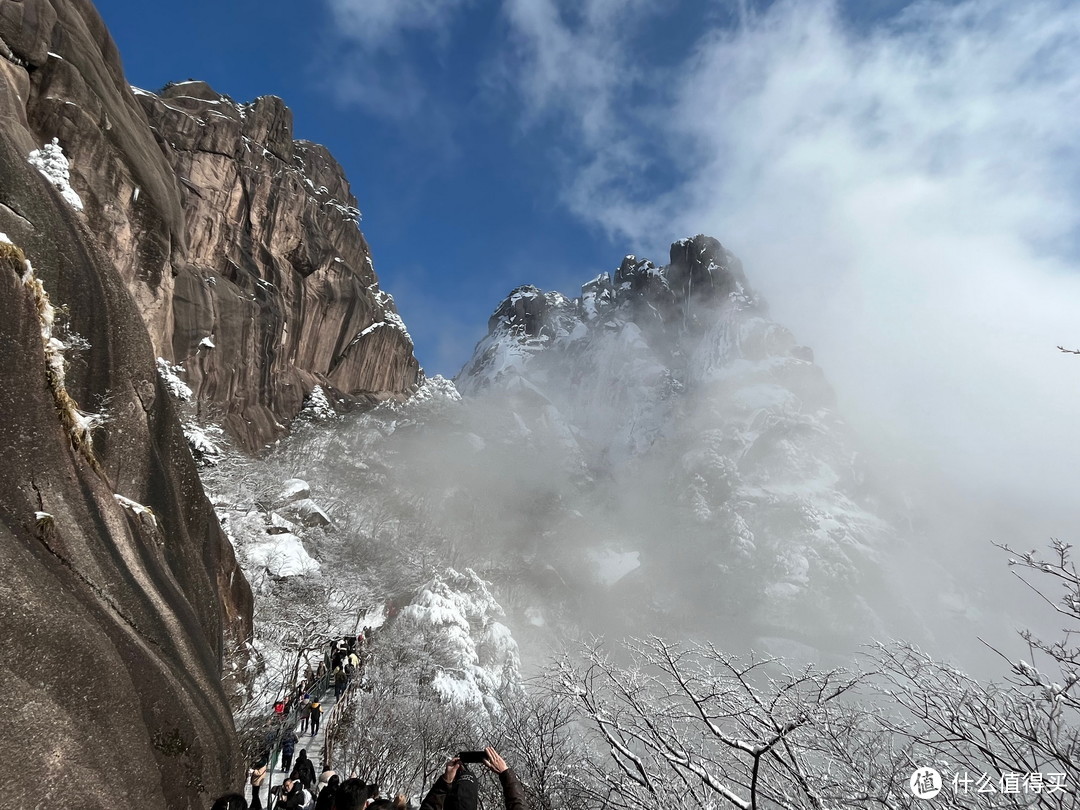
x: 664, y: 303
x: 668, y: 390
x: 703, y: 268
x: 275, y: 290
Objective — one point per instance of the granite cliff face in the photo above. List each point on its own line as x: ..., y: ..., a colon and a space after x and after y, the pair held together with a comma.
x: 239, y: 244
x: 275, y: 292
x: 186, y: 227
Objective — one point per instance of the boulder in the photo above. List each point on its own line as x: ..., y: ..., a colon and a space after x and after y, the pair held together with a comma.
x: 309, y: 513
x: 294, y: 489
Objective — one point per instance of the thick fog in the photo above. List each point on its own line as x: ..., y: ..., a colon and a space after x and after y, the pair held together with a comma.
x: 906, y: 198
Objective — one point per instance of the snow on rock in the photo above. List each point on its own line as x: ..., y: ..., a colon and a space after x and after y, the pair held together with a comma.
x: 145, y: 513
x: 308, y: 513
x: 207, y: 343
x: 279, y: 525
x: 281, y: 555
x: 51, y: 162
x: 177, y: 388
x: 294, y: 489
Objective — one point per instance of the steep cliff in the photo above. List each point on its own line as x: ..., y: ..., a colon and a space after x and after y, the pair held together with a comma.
x: 275, y: 292
x: 239, y: 244
x: 186, y: 227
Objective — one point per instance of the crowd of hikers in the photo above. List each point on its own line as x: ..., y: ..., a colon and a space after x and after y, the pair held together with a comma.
x: 456, y: 789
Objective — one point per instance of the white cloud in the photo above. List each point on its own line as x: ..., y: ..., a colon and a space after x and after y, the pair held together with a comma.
x: 378, y: 24
x: 371, y: 67
x: 906, y: 197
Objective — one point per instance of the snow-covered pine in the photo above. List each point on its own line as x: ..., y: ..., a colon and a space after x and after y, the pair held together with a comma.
x: 317, y: 406
x: 53, y: 165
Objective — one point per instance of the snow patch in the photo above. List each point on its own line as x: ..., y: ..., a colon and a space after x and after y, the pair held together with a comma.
x: 611, y: 565
x: 145, y: 513
x: 281, y: 555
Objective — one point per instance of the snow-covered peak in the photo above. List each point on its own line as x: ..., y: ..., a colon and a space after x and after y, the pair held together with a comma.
x: 672, y: 383
x: 660, y: 304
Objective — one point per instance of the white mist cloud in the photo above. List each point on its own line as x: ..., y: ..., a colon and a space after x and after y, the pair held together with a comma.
x: 369, y: 68
x: 379, y: 24
x: 907, y: 197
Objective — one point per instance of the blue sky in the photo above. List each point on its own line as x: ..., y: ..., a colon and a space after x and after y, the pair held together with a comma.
x: 462, y: 182
x: 900, y: 179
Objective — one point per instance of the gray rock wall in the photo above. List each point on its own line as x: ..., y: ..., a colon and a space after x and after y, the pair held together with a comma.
x: 197, y: 221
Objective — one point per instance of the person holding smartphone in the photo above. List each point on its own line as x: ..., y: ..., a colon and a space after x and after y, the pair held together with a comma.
x: 457, y: 788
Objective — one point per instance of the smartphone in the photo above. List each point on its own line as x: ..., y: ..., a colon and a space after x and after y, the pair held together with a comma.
x: 473, y: 756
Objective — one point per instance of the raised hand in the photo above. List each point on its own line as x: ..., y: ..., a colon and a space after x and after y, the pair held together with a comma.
x: 451, y: 770
x: 494, y: 761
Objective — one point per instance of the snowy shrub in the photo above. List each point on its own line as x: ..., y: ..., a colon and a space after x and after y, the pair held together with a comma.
x: 51, y: 162
x: 205, y: 441
x: 437, y: 387
x: 473, y: 655
x: 317, y: 406
x: 176, y: 387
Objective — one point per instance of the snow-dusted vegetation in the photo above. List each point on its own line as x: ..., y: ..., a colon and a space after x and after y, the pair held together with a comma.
x: 53, y: 165
x: 482, y: 537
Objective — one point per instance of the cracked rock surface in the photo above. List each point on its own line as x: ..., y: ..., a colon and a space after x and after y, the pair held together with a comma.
x: 209, y: 237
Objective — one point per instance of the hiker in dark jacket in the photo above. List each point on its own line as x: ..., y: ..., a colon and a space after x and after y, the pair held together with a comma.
x: 459, y: 784
x: 304, y: 770
x: 316, y: 716
x: 288, y: 745
x: 327, y: 794
x: 291, y: 795
x: 353, y: 794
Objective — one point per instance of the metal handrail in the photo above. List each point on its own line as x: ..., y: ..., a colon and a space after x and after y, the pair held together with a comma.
x: 289, y: 720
